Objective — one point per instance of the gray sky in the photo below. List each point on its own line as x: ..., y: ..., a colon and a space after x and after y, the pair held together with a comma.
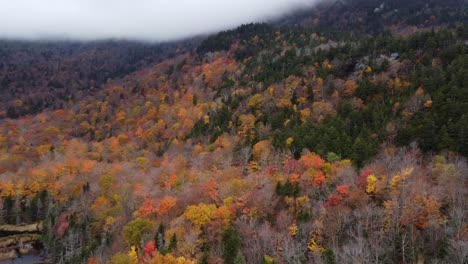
x: 154, y: 20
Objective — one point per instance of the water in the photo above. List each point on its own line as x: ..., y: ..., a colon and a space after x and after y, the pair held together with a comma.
x: 25, y: 259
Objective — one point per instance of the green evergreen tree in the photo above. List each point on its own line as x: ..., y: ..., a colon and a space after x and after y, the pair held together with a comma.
x: 287, y: 188
x: 279, y: 188
x: 172, y: 243
x: 159, y: 239
x: 240, y: 259
x: 231, y: 245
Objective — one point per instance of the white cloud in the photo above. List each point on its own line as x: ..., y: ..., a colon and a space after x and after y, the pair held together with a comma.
x: 154, y: 20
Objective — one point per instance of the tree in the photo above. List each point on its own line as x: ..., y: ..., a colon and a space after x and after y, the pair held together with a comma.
x: 170, y: 259
x: 165, y: 205
x: 211, y: 188
x: 172, y: 243
x: 256, y: 102
x: 133, y: 254
x: 343, y: 190
x: 159, y: 238
x: 371, y: 184
x: 17, y: 209
x: 150, y: 248
x: 319, y: 179
x: 135, y: 230
x: 120, y: 258
x: 200, y: 214
x: 289, y: 189
x: 147, y: 208
x: 350, y: 88
x: 105, y: 184
x: 240, y: 259
x: 312, y: 161
x: 231, y: 245
x: 261, y: 151
x: 3, y: 212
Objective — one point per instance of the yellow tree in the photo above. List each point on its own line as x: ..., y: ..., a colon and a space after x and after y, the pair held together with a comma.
x: 200, y: 214
x: 135, y: 230
x: 349, y: 88
x: 371, y: 184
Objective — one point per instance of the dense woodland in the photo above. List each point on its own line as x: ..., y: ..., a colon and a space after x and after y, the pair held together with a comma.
x: 45, y: 75
x: 287, y: 142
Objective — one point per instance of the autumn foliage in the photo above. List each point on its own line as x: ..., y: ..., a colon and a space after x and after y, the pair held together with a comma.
x: 262, y: 145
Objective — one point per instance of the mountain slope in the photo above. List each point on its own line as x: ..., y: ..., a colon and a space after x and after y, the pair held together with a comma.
x: 298, y: 141
x: 38, y: 76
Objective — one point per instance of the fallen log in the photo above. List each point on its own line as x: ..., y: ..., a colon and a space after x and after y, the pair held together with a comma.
x: 8, y: 255
x: 32, y: 228
x: 9, y: 241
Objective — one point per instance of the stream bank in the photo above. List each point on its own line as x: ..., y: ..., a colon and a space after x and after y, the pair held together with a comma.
x: 20, y: 243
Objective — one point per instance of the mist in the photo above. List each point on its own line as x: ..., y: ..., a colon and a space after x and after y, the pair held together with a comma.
x: 145, y: 20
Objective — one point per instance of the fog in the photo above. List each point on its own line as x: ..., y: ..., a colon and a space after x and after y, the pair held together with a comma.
x: 149, y: 20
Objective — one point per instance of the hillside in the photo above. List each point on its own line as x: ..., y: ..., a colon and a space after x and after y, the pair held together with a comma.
x: 374, y: 17
x: 327, y: 136
x: 46, y: 75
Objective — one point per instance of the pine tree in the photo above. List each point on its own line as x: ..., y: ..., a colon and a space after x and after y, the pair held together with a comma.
x: 159, y: 239
x: 172, y: 243
x: 17, y: 210
x: 204, y: 259
x: 295, y: 190
x: 240, y: 259
x: 40, y: 209
x: 8, y: 204
x: 231, y: 244
x: 3, y: 212
x: 279, y: 188
x: 287, y: 188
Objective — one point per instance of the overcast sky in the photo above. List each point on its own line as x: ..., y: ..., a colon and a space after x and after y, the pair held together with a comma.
x: 154, y: 20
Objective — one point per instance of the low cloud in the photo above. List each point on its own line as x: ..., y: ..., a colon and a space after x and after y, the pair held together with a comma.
x: 149, y: 20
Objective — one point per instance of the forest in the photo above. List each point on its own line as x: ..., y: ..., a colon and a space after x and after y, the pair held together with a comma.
x: 294, y: 141
x: 45, y: 75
